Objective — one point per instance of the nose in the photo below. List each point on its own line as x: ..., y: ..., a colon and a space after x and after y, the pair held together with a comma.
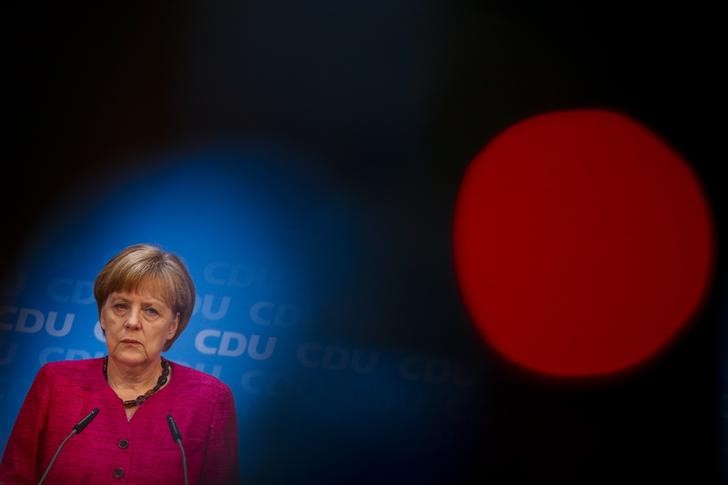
x: 134, y: 319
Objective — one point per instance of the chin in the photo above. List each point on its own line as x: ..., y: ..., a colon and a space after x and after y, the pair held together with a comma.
x: 130, y: 357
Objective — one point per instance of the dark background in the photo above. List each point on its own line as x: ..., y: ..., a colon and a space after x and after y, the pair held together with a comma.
x: 394, y: 99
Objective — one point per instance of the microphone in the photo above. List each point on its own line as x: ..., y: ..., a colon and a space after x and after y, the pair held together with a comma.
x: 76, y: 429
x: 177, y: 437
x: 84, y: 422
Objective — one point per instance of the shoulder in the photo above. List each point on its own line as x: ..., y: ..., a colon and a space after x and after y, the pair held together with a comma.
x: 202, y: 383
x: 75, y: 369
x: 68, y: 376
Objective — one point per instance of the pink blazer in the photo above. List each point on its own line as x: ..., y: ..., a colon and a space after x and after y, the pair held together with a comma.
x: 112, y: 449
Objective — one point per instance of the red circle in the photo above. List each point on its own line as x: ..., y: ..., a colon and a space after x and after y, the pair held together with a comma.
x: 583, y: 244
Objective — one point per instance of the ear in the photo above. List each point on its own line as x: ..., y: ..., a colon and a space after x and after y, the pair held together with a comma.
x: 101, y: 320
x: 173, y: 327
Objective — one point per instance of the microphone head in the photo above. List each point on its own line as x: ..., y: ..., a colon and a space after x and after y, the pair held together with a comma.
x: 85, y: 421
x: 176, y: 436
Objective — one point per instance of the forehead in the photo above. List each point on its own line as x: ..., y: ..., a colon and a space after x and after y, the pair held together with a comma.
x: 148, y: 289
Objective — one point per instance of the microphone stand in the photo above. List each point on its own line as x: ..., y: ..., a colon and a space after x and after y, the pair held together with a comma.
x: 76, y: 429
x: 176, y: 436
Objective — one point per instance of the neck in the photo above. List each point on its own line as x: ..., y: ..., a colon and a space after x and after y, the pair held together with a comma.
x: 138, y: 378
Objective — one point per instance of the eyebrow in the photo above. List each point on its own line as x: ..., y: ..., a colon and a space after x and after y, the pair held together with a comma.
x: 154, y: 301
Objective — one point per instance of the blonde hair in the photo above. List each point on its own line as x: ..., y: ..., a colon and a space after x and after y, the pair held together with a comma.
x: 142, y: 263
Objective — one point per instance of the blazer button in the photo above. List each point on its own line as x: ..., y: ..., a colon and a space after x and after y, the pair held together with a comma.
x: 123, y: 444
x: 118, y: 473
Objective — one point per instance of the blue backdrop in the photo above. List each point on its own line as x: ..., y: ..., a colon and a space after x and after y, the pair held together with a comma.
x: 270, y: 247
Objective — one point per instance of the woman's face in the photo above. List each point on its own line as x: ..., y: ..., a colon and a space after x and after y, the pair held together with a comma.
x: 137, y: 324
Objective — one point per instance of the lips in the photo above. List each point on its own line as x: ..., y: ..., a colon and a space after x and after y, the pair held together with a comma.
x: 130, y: 341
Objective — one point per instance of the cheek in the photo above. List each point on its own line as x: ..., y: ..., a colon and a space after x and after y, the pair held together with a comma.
x: 109, y: 322
x: 107, y: 318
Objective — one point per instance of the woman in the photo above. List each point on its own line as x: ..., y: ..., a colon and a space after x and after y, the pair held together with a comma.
x: 145, y: 298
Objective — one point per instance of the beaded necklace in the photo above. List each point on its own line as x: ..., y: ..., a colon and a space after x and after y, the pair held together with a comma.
x: 141, y: 398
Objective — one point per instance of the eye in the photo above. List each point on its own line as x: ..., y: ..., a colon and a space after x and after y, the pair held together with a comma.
x: 120, y: 306
x: 151, y: 311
